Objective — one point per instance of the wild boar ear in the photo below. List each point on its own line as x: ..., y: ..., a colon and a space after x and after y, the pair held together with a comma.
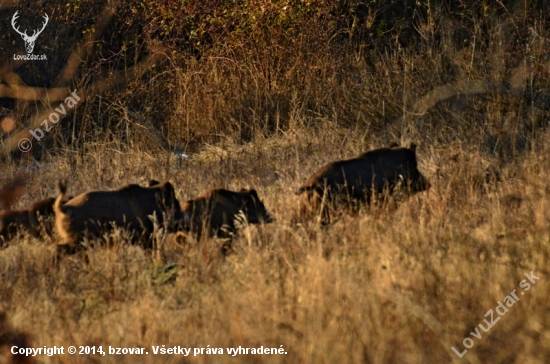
x: 413, y: 147
x: 187, y: 205
x: 242, y: 190
x: 169, y: 187
x: 153, y: 182
x: 394, y: 145
x: 253, y: 193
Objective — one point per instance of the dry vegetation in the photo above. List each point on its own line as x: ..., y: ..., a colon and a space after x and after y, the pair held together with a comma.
x: 261, y: 96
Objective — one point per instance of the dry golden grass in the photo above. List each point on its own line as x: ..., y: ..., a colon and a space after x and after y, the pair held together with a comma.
x: 397, y: 286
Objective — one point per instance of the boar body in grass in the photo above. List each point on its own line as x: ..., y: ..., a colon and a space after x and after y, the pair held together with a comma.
x: 217, y: 210
x: 91, y: 214
x: 29, y: 220
x: 358, y: 179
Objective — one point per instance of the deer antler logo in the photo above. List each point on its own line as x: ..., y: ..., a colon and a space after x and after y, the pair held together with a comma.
x: 29, y: 40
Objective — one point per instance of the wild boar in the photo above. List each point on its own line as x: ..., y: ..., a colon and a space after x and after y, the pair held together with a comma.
x: 359, y: 178
x: 92, y: 213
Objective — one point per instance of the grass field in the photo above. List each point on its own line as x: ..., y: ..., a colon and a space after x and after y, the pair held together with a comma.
x: 400, y: 286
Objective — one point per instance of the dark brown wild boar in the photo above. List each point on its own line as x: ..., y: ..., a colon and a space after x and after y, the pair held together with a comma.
x: 359, y: 178
x: 29, y: 219
x: 93, y: 213
x: 11, y: 191
x: 217, y: 210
